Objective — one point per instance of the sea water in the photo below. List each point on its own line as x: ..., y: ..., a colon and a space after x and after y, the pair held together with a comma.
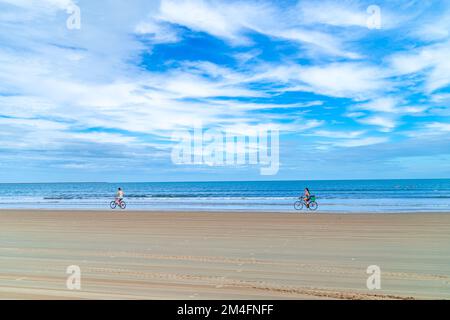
x: 332, y: 196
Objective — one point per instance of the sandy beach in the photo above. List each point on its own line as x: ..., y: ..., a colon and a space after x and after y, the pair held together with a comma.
x: 175, y: 255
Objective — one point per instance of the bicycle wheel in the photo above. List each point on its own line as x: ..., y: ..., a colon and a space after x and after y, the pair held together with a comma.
x: 313, y: 206
x: 113, y: 204
x: 123, y: 205
x: 298, y: 205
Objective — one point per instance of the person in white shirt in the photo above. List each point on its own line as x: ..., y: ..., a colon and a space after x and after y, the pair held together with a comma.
x: 119, y: 195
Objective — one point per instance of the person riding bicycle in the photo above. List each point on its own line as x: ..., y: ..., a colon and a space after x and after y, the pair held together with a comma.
x: 119, y: 195
x: 307, y: 197
x: 307, y: 200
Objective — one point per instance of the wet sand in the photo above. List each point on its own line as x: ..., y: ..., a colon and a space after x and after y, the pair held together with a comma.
x: 175, y: 255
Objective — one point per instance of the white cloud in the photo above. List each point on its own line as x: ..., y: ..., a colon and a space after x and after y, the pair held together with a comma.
x: 333, y: 13
x: 380, y: 105
x: 158, y: 32
x: 361, y: 142
x: 351, y: 13
x: 385, y: 123
x: 320, y: 40
x: 434, y: 31
x: 342, y: 141
x: 441, y: 97
x: 360, y: 81
x: 33, y: 124
x: 392, y: 105
x: 430, y: 129
x: 102, y: 138
x: 218, y: 19
x: 430, y: 60
x: 40, y: 4
x: 354, y: 80
x: 337, y: 134
x: 232, y: 20
x: 434, y: 27
x: 439, y: 127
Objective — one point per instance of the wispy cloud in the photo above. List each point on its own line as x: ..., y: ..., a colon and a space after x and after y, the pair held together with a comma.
x: 429, y: 63
x: 361, y: 142
x: 234, y: 20
x: 385, y: 123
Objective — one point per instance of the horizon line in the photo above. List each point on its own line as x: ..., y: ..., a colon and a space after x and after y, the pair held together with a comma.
x: 205, y: 181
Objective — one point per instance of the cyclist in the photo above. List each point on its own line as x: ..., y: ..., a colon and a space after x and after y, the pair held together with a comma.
x: 307, y: 197
x: 119, y: 196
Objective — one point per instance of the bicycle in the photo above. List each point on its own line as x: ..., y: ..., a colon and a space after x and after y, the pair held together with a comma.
x: 120, y: 203
x: 298, y: 205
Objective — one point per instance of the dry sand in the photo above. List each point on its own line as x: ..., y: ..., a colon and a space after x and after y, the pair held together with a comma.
x: 173, y: 255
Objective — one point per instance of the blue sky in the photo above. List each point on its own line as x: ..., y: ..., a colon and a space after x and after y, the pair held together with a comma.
x: 101, y: 103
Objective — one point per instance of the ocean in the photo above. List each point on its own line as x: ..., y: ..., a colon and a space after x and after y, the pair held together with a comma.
x: 431, y: 195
